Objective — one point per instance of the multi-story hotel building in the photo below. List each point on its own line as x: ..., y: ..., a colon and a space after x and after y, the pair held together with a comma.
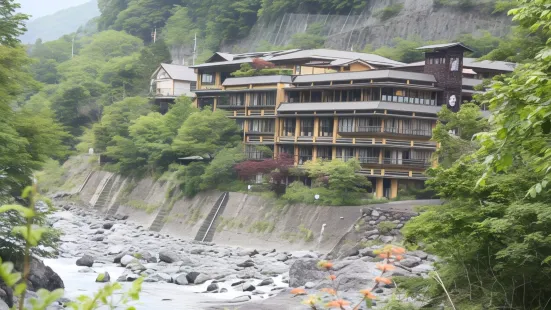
x: 344, y: 105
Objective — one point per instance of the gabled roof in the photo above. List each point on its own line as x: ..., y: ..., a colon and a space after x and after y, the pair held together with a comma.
x: 177, y: 72
x: 474, y: 63
x: 445, y: 46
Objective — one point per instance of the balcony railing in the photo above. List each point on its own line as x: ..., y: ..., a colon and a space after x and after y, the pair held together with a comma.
x: 407, y: 162
x: 345, y: 158
x: 303, y: 158
x: 387, y: 130
x: 369, y: 160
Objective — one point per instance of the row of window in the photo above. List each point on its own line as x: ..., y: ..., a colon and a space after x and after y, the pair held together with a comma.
x: 255, y: 99
x: 358, y: 124
x: 364, y: 155
x: 401, y: 95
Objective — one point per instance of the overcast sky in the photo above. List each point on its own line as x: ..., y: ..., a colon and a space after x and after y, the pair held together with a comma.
x: 38, y: 8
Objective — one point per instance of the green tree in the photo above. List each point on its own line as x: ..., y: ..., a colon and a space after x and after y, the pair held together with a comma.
x: 116, y: 120
x: 404, y: 50
x: 220, y: 170
x: 12, y: 24
x: 179, y: 113
x: 180, y: 28
x: 310, y: 39
x: 205, y: 133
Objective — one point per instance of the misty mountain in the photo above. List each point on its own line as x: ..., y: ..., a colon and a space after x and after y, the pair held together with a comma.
x: 63, y: 22
x: 39, y: 8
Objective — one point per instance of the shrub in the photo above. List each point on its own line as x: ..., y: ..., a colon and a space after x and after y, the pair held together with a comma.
x: 389, y: 12
x: 385, y: 227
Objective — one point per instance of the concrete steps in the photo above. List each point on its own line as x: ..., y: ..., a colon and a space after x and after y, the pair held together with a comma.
x: 159, y: 221
x: 103, y: 199
x: 208, y: 228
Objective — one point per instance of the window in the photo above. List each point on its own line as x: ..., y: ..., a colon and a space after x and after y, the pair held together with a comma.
x: 288, y: 127
x: 253, y: 153
x: 261, y: 125
x: 294, y: 96
x: 345, y: 153
x: 204, y: 102
x: 325, y: 152
x: 224, y: 76
x: 328, y: 96
x: 391, y: 125
x: 304, y: 155
x: 316, y: 96
x: 240, y: 123
x: 307, y: 127
x: 346, y: 124
x: 368, y: 155
x: 297, y: 70
x: 287, y: 149
x: 263, y: 99
x: 207, y: 78
x: 369, y: 124
x: 237, y: 99
x: 325, y: 127
x: 422, y: 128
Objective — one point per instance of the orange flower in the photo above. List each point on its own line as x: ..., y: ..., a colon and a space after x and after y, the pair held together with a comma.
x: 367, y: 294
x: 311, y: 301
x: 385, y: 267
x: 384, y: 255
x: 398, y: 250
x: 329, y: 291
x: 298, y: 291
x: 323, y: 264
x: 332, y: 277
x: 339, y: 303
x: 399, y: 257
x: 383, y: 280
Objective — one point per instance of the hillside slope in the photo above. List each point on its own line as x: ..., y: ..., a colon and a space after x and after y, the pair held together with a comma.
x: 63, y: 22
x: 353, y: 31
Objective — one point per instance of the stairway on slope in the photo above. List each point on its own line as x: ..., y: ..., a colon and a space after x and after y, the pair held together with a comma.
x: 159, y: 221
x: 103, y: 199
x: 208, y: 228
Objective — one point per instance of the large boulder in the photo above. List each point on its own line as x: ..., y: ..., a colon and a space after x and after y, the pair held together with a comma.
x: 274, y: 268
x: 212, y: 287
x: 103, y: 277
x: 268, y: 281
x: 3, y: 305
x: 245, y: 264
x: 42, y: 276
x: 192, y: 276
x: 6, y: 294
x: 168, y: 257
x: 86, y: 260
x: 201, y: 278
x: 305, y: 270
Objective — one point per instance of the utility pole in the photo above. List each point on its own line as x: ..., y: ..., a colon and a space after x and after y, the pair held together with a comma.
x: 154, y: 35
x: 73, y: 44
x: 194, y: 48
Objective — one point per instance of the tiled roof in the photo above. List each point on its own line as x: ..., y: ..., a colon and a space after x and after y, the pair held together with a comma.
x: 444, y: 45
x: 178, y: 72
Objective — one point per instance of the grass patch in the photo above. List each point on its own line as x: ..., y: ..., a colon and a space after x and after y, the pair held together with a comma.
x: 51, y: 177
x: 385, y: 227
x: 140, y: 205
x: 195, y: 216
x: 306, y: 234
x: 262, y: 227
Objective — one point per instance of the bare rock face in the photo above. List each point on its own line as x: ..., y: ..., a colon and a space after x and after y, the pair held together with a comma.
x: 303, y: 271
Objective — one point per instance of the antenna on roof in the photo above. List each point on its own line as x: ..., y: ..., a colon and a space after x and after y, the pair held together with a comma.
x: 194, y: 48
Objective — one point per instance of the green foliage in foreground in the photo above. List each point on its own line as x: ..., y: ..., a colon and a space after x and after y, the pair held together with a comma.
x: 493, y: 233
x: 32, y: 233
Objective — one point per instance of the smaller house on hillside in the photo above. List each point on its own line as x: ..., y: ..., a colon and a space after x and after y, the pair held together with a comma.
x: 169, y: 82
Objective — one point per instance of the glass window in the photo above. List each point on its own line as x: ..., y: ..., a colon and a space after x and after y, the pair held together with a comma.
x: 316, y: 96
x: 294, y: 96
x: 368, y: 155
x: 304, y: 155
x: 391, y: 125
x: 326, y: 127
x: 369, y: 124
x: 307, y: 127
x: 346, y: 124
x: 237, y: 99
x: 325, y: 152
x: 345, y: 153
x: 254, y: 153
x: 207, y: 78
x: 289, y: 125
x: 261, y: 125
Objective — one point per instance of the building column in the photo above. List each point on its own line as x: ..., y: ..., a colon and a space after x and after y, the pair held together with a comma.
x: 314, y: 153
x: 335, y: 128
x: 297, y: 129
x: 393, y: 188
x: 379, y: 188
x: 316, y: 126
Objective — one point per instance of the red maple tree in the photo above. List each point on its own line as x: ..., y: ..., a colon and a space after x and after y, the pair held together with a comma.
x: 259, y: 63
x: 278, y: 168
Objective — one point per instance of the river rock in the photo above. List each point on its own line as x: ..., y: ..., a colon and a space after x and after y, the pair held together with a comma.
x: 375, y: 213
x: 410, y: 261
x: 305, y: 270
x: 247, y: 252
x: 197, y: 251
x: 181, y: 280
x: 97, y: 238
x: 99, y: 232
x: 281, y: 257
x: 192, y: 276
x: 237, y: 283
x: 248, y: 287
x: 223, y: 290
x: 265, y: 282
x: 245, y: 264
x: 423, y: 268
x: 85, y: 260
x: 103, y: 277
x: 386, y: 239
x: 367, y: 252
x: 275, y: 268
x: 136, y: 267
x: 127, y: 259
x: 87, y: 270
x: 114, y: 250
x: 42, y: 276
x: 3, y: 305
x: 7, y: 294
x: 148, y: 257
x: 304, y: 254
x: 168, y: 257
x: 420, y: 254
x: 157, y: 277
x: 132, y: 277
x: 107, y: 225
x: 201, y: 278
x: 309, y: 285
x: 241, y: 299
x: 212, y: 287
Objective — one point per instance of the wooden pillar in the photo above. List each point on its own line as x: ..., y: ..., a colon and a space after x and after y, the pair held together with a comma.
x: 379, y: 188
x: 382, y: 125
x: 393, y: 188
x: 316, y: 126
x: 335, y: 128
x: 314, y: 152
x: 297, y: 129
x: 296, y: 155
x: 334, y: 153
